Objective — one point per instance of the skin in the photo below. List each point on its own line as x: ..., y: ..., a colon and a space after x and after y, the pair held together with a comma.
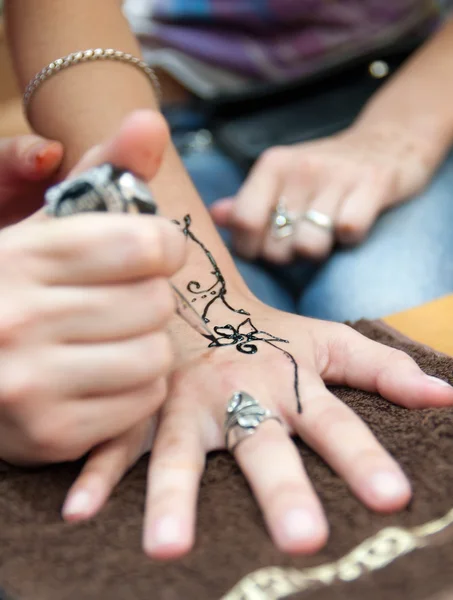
x: 202, y: 380
x: 386, y: 157
x: 63, y: 327
x: 28, y: 165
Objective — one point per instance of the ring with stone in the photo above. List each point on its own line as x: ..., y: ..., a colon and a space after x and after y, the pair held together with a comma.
x: 282, y: 221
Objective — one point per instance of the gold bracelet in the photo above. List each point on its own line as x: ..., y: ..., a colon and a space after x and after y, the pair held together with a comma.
x: 83, y: 56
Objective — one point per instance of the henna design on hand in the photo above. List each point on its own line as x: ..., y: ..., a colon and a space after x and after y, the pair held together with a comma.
x: 246, y: 334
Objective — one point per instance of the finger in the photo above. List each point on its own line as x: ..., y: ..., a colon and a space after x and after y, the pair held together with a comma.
x: 138, y: 146
x: 67, y: 431
x: 177, y: 463
x: 311, y: 239
x: 105, y: 313
x: 359, y: 362
x: 88, y: 370
x: 337, y: 434
x: 28, y: 158
x: 361, y: 207
x: 281, y: 486
x: 255, y: 202
x: 98, y: 248
x: 105, y: 467
x: 222, y: 212
x: 295, y: 196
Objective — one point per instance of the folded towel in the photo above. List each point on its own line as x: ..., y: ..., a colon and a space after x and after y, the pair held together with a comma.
x: 42, y: 558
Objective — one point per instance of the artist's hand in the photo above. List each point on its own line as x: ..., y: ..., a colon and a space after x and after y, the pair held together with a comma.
x: 84, y: 305
x: 27, y: 165
x: 350, y: 178
x: 192, y: 417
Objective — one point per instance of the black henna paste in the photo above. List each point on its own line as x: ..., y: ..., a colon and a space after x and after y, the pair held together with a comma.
x: 244, y: 336
x: 218, y: 287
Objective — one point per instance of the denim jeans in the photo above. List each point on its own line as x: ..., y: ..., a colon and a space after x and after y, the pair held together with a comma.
x: 405, y: 261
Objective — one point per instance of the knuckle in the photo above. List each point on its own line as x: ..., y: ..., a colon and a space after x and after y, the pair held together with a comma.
x: 159, y: 296
x: 174, y: 240
x: 166, y: 354
x: 49, y: 440
x: 12, y: 324
x: 155, y: 355
x: 19, y: 384
x: 377, y: 174
x: 175, y: 459
x: 230, y: 376
x: 382, y: 179
x: 141, y: 250
x: 306, y: 164
x: 367, y: 459
x: 273, y: 158
x: 159, y: 389
x: 280, y: 494
x: 277, y: 256
x: 153, y: 397
x: 11, y: 250
x: 327, y: 422
x: 318, y: 248
x: 393, y: 361
x: 244, y: 224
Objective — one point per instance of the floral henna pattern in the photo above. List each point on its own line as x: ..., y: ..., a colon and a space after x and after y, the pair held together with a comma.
x: 242, y: 337
x: 218, y: 288
x: 246, y: 334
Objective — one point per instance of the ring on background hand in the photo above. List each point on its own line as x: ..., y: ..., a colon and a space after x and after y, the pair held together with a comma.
x: 319, y: 219
x: 105, y: 188
x: 282, y: 221
x: 243, y: 417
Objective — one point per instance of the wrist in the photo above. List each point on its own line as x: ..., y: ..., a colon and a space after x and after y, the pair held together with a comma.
x: 422, y: 139
x: 212, y: 285
x: 424, y: 124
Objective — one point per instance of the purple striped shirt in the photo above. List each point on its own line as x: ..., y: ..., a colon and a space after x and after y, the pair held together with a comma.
x: 281, y: 39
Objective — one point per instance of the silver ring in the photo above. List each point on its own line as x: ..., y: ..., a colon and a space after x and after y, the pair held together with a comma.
x: 282, y: 221
x: 105, y: 188
x: 319, y: 219
x: 243, y: 417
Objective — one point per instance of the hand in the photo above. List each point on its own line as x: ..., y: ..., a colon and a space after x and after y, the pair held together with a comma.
x: 85, y: 302
x: 191, y: 420
x: 350, y: 177
x: 27, y: 166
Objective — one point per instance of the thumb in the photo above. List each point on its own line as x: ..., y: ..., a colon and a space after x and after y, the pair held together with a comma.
x: 222, y: 212
x: 28, y: 158
x: 138, y: 146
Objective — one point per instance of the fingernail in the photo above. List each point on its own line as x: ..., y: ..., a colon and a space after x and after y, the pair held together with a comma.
x: 77, y: 504
x: 438, y: 381
x: 39, y: 154
x: 300, y: 524
x: 165, y: 532
x: 30, y: 146
x: 389, y: 486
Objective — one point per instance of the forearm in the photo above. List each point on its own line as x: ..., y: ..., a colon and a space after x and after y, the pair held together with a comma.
x: 418, y: 97
x: 84, y: 104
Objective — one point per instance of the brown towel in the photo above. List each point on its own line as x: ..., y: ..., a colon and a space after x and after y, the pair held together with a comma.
x: 41, y: 558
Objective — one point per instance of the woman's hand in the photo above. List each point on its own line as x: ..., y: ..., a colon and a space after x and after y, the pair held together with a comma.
x: 28, y: 164
x: 346, y: 181
x: 191, y: 425
x: 85, y: 302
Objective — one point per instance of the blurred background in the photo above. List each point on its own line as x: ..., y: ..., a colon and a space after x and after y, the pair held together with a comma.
x: 11, y: 117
